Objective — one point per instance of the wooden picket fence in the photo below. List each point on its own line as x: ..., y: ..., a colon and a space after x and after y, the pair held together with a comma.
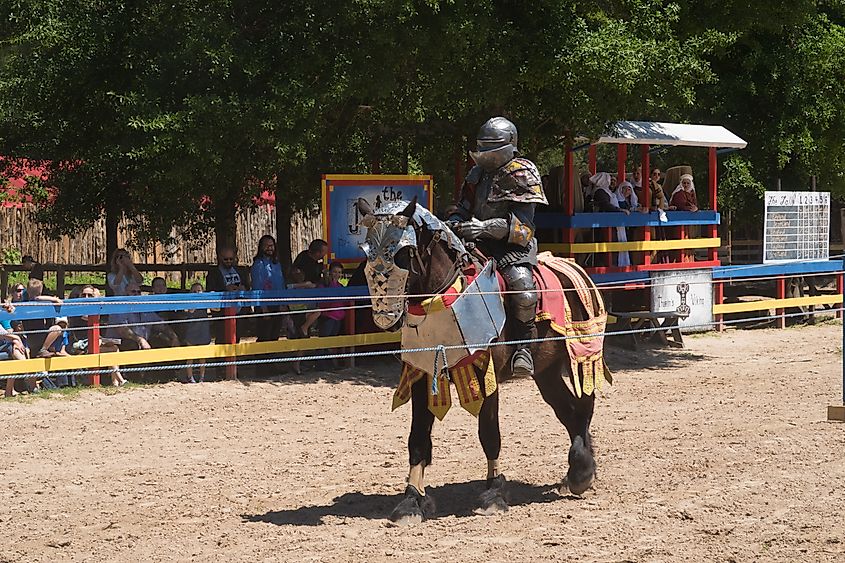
x: 19, y: 232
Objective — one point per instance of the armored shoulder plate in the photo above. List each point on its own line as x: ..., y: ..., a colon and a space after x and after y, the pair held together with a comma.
x: 519, y: 181
x: 474, y: 175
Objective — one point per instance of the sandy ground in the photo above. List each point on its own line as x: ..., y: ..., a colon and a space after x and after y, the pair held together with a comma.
x: 719, y: 452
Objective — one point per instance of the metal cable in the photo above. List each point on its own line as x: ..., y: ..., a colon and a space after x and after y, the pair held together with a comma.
x: 439, y: 347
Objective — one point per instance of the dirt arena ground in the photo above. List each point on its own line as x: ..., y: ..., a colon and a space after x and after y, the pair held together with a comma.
x: 719, y: 452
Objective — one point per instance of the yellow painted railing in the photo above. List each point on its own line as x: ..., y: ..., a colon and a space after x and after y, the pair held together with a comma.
x: 767, y: 304
x: 62, y: 363
x: 639, y: 245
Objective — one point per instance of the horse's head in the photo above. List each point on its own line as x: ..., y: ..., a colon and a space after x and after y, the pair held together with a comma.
x: 408, y: 250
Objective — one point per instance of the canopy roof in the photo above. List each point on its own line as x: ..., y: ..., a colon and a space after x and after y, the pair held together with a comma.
x: 673, y: 134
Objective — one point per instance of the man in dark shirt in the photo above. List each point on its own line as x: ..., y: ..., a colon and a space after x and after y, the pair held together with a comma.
x: 227, y: 276
x: 311, y: 261
x: 36, y: 270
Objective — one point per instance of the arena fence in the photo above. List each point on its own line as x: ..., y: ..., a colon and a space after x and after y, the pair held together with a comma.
x: 230, y: 353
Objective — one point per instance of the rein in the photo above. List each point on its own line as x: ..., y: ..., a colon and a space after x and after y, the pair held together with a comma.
x: 451, y: 274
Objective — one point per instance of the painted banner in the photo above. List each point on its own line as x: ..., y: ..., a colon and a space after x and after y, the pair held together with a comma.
x: 341, y: 218
x: 686, y: 292
x: 797, y: 227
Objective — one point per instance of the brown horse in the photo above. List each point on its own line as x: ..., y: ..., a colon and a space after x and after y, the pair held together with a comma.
x: 411, y: 252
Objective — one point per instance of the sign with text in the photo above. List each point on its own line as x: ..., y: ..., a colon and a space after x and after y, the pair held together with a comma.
x: 341, y: 218
x: 686, y: 292
x: 796, y: 227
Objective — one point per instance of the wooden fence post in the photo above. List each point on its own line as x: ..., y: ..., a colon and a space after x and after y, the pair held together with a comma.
x: 230, y: 335
x: 60, y: 281
x: 94, y: 344
x: 4, y: 282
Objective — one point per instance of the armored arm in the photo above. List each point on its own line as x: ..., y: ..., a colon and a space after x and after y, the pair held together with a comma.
x: 462, y: 209
x: 516, y: 229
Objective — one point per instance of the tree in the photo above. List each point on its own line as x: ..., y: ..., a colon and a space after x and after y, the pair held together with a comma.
x: 779, y: 88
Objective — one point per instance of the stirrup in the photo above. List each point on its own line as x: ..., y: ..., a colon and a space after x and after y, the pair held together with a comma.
x: 522, y: 363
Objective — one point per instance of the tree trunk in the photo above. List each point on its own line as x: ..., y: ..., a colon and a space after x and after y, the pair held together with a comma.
x: 225, y: 223
x: 283, y: 231
x: 112, y: 213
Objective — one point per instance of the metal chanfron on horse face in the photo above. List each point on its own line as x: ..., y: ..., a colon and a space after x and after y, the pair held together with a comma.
x: 386, y: 281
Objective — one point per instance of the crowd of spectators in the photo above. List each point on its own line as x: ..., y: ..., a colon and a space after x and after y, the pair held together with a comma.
x: 604, y: 193
x: 142, y: 330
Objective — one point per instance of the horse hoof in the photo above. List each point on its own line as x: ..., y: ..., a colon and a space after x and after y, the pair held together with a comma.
x: 577, y: 488
x: 413, y: 509
x: 493, y: 498
x: 582, y: 468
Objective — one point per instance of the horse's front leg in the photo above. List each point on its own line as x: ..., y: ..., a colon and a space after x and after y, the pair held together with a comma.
x: 416, y: 506
x: 493, y: 499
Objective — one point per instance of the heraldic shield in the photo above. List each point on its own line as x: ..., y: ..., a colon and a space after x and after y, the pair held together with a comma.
x: 480, y: 311
x: 475, y: 318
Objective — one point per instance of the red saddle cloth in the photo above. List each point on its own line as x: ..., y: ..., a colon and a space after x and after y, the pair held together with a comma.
x: 584, y: 338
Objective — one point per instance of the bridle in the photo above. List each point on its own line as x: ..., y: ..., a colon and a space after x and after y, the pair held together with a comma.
x: 452, y: 273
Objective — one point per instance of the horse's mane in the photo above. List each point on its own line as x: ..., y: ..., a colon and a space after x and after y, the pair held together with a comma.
x: 425, y: 218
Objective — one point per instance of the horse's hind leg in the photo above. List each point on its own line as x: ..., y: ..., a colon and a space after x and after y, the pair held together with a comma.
x: 493, y: 498
x: 576, y: 415
x: 416, y: 506
x: 582, y: 464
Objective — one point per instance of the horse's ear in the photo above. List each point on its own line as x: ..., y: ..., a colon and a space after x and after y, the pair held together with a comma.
x: 364, y: 207
x: 411, y: 209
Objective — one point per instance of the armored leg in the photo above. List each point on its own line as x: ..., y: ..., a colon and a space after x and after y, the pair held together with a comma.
x: 522, y: 309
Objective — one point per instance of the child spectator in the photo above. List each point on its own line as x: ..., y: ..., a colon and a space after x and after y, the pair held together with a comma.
x: 198, y: 333
x: 57, y: 342
x: 18, y: 293
x: 12, y: 344
x: 295, y: 321
x: 80, y: 337
x: 333, y: 313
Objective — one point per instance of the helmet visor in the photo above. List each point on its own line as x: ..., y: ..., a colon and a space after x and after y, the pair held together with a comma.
x: 493, y: 158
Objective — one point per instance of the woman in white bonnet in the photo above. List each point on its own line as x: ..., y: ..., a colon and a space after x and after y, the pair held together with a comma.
x: 627, y: 197
x: 606, y: 200
x: 683, y: 198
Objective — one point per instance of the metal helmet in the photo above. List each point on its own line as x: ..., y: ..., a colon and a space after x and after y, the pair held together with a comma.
x: 495, y: 133
x: 496, y: 143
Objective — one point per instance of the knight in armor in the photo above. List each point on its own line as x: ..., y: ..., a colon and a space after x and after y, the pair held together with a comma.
x: 496, y: 210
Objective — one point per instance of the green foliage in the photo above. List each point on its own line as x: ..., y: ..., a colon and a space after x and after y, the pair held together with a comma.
x: 174, y: 114
x: 740, y: 191
x: 10, y: 256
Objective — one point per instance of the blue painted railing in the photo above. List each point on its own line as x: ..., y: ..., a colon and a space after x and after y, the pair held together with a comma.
x: 635, y: 219
x: 171, y: 302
